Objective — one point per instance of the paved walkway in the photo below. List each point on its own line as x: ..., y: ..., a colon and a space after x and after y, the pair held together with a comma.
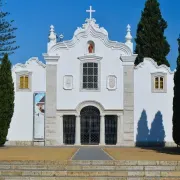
x: 91, y: 153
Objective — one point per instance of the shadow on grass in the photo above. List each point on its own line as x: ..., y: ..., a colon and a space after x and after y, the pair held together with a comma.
x: 164, y: 150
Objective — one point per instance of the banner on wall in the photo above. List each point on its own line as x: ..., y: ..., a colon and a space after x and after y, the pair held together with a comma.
x: 39, y: 115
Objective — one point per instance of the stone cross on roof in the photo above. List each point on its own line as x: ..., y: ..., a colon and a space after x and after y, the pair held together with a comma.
x: 90, y: 12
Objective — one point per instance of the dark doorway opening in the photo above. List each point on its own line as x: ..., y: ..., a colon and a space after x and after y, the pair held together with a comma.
x: 111, y: 129
x: 90, y: 125
x: 69, y: 129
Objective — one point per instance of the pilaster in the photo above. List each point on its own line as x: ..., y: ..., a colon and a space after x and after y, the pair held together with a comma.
x: 51, y: 121
x: 78, y: 131
x: 120, y: 129
x: 128, y: 114
x: 102, y: 130
x: 61, y: 129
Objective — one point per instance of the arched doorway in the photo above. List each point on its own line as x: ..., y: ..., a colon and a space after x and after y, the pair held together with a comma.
x: 90, y: 125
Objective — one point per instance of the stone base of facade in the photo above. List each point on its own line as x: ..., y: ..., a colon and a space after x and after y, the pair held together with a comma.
x: 38, y: 143
x: 24, y: 143
x: 19, y: 143
x: 127, y: 144
x: 55, y: 143
x: 170, y: 144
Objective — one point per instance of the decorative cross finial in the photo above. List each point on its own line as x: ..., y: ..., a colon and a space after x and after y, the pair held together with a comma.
x: 90, y: 12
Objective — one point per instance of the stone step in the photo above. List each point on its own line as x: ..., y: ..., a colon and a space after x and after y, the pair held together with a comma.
x: 98, y: 162
x: 105, y: 170
x: 89, y: 168
x: 85, y: 178
x: 48, y: 173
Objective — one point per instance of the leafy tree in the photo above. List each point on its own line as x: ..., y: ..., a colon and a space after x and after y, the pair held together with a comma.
x: 176, y: 100
x: 150, y: 39
x: 6, y: 98
x: 7, y: 36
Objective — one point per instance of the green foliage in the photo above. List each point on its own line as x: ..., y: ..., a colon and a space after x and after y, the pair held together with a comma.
x: 150, y: 39
x: 7, y: 36
x: 176, y: 101
x: 178, y: 59
x: 6, y: 98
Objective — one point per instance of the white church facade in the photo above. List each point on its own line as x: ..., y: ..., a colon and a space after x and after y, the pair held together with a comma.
x: 89, y: 93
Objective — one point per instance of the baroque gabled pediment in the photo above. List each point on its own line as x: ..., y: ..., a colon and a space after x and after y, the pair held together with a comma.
x: 93, y: 29
x: 153, y: 63
x: 25, y: 65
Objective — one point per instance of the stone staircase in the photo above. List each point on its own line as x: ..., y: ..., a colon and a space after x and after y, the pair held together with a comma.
x: 89, y: 170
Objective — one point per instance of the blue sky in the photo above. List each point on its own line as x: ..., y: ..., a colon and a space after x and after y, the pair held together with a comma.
x: 33, y: 18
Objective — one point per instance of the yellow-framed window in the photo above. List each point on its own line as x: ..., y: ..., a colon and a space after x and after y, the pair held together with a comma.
x: 21, y: 82
x: 156, y: 83
x: 24, y: 82
x: 161, y: 82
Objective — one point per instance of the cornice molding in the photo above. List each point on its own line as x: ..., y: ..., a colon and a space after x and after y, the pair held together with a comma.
x: 50, y: 59
x: 128, y: 58
x: 24, y: 72
x: 90, y: 57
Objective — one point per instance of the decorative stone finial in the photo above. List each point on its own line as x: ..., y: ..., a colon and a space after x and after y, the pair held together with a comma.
x: 128, y: 35
x: 52, y: 36
x: 51, y: 28
x: 129, y: 38
x: 61, y: 37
